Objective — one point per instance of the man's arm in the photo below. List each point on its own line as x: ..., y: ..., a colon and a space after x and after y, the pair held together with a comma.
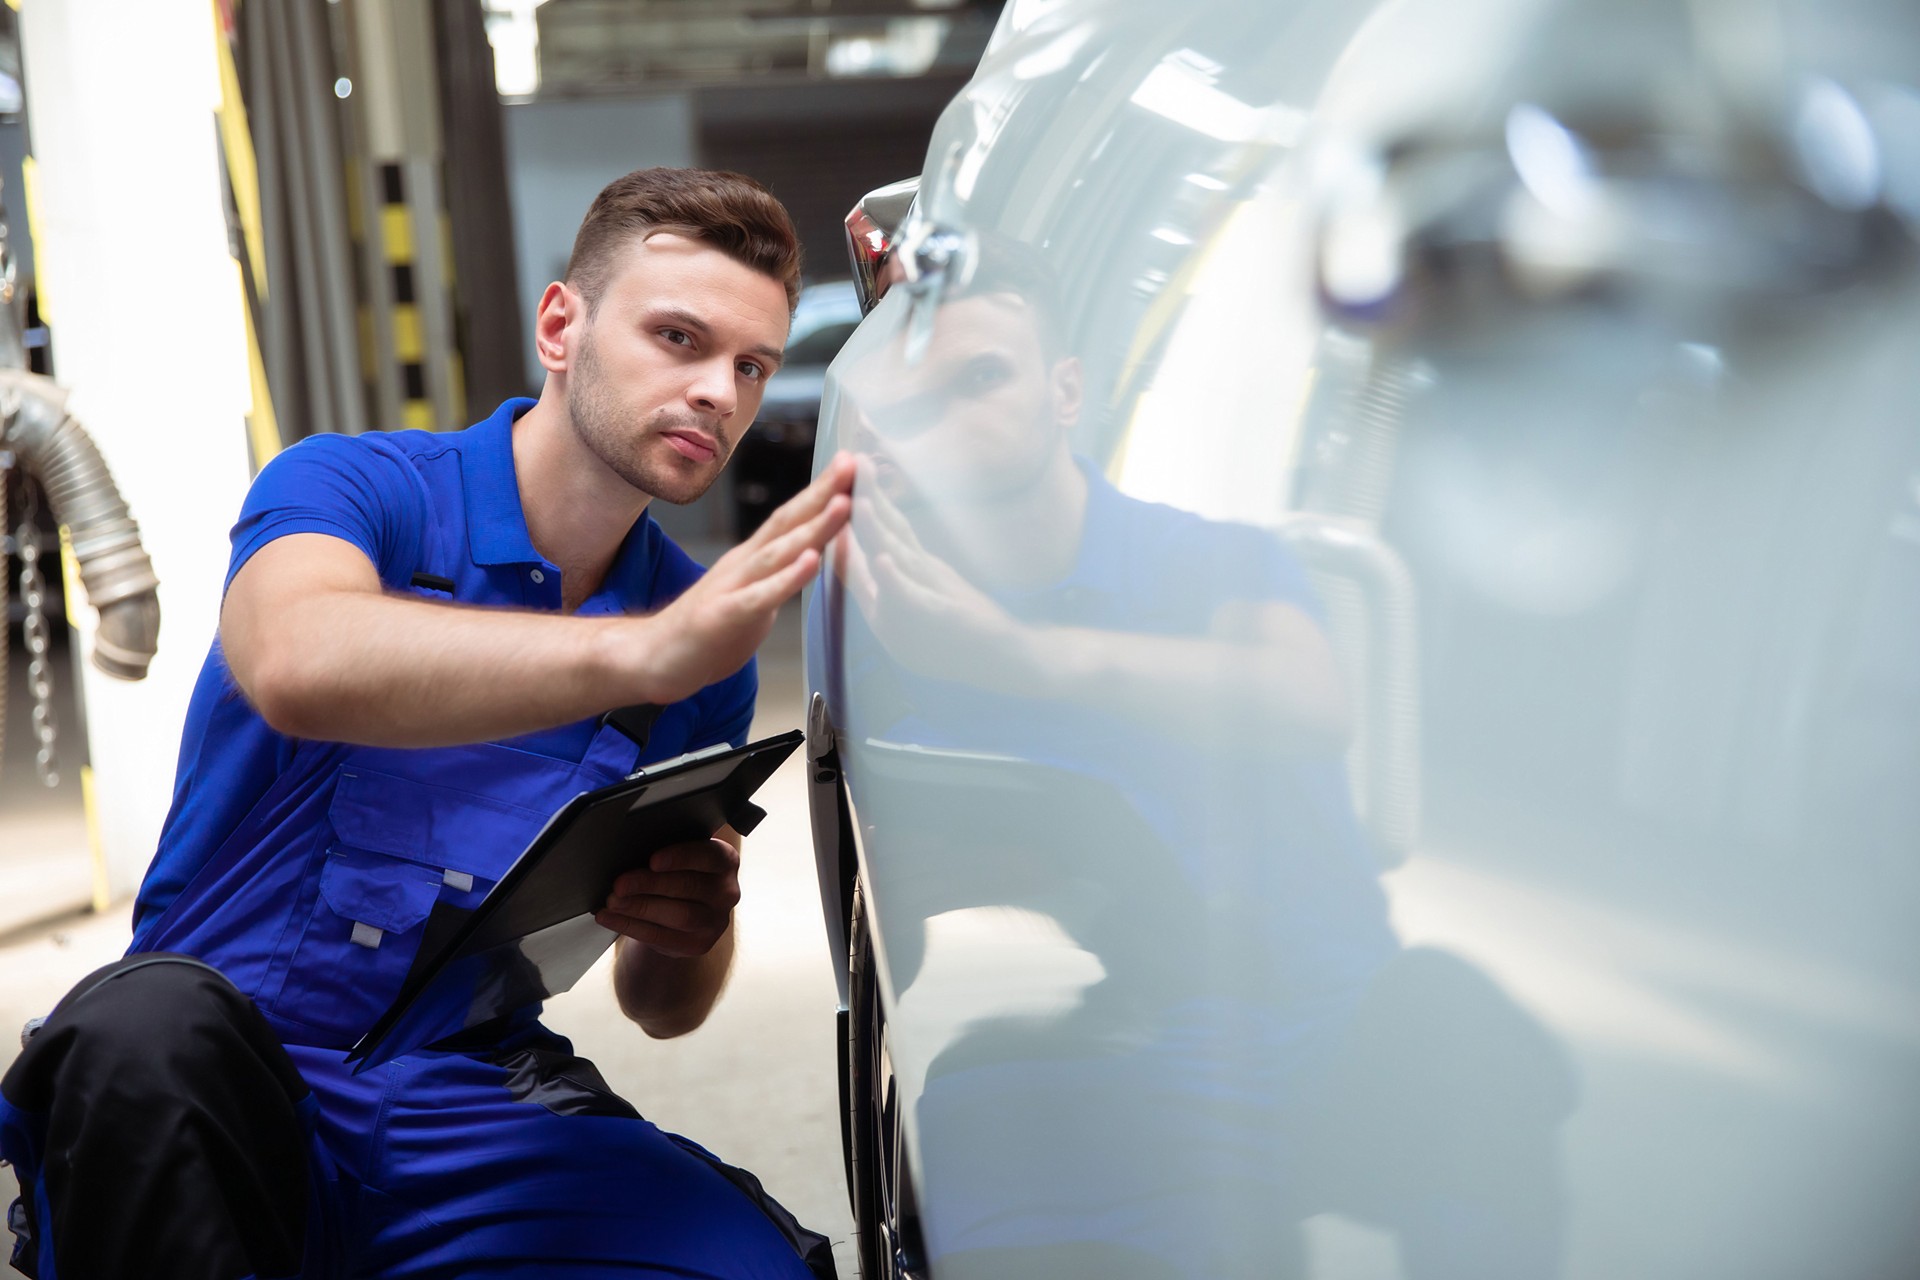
x: 675, y: 918
x: 323, y: 652
x: 1275, y: 659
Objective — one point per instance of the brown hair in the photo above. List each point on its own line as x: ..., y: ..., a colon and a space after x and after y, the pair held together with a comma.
x: 729, y: 211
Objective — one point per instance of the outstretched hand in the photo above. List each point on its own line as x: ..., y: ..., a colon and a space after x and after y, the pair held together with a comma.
x: 923, y: 611
x: 717, y: 623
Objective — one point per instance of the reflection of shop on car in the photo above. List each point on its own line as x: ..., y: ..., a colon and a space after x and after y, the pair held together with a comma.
x: 775, y: 459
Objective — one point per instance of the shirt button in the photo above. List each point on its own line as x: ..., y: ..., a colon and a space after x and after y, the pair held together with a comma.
x: 537, y: 576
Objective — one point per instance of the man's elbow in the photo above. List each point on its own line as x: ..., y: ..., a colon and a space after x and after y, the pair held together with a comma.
x: 670, y: 1026
x: 283, y: 690
x: 663, y: 1020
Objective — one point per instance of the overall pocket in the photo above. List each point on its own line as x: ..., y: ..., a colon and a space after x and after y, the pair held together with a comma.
x: 359, y: 941
x: 397, y: 848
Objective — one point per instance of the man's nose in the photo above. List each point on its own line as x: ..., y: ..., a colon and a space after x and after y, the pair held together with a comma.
x: 712, y: 389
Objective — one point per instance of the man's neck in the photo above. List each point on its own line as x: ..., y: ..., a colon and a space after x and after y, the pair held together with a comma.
x: 578, y: 511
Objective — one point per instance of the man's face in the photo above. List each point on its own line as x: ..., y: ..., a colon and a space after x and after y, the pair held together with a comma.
x: 980, y: 417
x: 668, y: 371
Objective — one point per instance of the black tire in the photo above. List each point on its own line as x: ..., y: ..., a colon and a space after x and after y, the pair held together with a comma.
x: 886, y: 1213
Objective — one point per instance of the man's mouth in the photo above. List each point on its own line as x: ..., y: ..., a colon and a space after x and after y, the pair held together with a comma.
x: 694, y: 445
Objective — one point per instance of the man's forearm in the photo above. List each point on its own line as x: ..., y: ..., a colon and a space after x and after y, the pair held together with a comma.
x: 669, y: 995
x: 1174, y: 684
x: 413, y: 673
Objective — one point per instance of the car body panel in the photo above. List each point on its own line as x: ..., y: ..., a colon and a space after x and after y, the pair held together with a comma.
x: 1377, y: 697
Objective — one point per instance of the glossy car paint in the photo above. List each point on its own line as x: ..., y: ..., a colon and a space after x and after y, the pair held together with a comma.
x: 1377, y: 665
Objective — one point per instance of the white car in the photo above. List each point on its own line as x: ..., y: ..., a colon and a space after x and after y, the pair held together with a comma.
x: 1368, y: 721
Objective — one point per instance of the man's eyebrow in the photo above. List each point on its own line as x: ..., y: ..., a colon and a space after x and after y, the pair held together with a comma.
x: 687, y: 320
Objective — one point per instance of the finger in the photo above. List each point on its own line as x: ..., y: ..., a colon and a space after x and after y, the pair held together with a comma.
x: 713, y: 857
x: 815, y: 534
x: 712, y: 854
x: 680, y: 914
x: 889, y: 516
x: 884, y: 536
x: 720, y: 892
x: 671, y: 942
x: 768, y: 593
x: 910, y: 562
x: 835, y: 480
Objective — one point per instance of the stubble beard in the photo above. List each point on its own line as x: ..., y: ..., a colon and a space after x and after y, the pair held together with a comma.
x: 605, y: 427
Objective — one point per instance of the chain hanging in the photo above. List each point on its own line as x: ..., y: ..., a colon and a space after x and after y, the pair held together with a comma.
x: 26, y: 544
x: 6, y: 587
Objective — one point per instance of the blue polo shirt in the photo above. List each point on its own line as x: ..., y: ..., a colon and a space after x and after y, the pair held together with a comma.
x: 1255, y: 831
x: 441, y: 504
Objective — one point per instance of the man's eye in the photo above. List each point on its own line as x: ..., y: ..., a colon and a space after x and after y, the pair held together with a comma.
x: 751, y: 371
x: 678, y: 337
x: 982, y: 375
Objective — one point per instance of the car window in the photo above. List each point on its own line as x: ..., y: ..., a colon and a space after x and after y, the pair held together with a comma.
x: 821, y: 345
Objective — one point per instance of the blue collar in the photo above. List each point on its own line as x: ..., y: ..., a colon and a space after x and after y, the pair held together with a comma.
x: 496, y: 527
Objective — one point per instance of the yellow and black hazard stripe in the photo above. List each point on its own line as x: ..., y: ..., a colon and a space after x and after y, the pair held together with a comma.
x: 245, y: 231
x: 403, y: 281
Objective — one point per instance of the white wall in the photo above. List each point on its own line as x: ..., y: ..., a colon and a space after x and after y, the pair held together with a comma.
x: 145, y: 308
x: 559, y: 154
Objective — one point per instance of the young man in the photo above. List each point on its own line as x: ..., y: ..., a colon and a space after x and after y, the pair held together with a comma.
x: 421, y: 636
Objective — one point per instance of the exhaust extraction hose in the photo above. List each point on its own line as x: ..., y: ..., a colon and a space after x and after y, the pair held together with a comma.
x: 54, y: 448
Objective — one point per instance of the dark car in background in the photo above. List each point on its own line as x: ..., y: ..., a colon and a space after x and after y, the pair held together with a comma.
x: 774, y: 459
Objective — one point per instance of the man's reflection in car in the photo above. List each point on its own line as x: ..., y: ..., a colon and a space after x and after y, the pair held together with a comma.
x: 1130, y: 718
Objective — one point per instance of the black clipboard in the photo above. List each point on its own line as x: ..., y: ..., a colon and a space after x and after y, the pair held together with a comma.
x: 534, y: 935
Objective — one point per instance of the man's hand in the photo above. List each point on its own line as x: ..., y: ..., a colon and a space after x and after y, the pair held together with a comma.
x: 681, y: 903
x: 921, y: 609
x: 718, y: 623
x: 675, y: 921
x: 1261, y: 666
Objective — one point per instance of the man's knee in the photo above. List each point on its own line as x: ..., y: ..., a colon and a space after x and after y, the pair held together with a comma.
x: 159, y: 1026
x: 170, y: 1121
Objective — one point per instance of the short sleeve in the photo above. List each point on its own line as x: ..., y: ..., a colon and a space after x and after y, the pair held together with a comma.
x: 357, y: 488
x: 1205, y: 563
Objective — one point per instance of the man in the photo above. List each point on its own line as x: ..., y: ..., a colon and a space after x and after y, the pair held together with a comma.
x: 419, y: 638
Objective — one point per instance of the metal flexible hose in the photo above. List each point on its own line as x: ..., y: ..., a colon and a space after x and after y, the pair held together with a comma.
x: 53, y: 447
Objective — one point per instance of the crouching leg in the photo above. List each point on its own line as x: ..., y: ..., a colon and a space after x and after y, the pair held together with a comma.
x: 159, y: 1130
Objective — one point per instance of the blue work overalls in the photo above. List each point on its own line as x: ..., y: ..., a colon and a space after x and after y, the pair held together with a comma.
x: 511, y: 1156
x: 449, y: 1163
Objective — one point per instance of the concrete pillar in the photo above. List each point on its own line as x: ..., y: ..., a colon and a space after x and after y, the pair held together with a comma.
x: 146, y: 313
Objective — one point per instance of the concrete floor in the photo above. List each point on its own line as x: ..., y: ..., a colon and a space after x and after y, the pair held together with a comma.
x: 756, y: 1085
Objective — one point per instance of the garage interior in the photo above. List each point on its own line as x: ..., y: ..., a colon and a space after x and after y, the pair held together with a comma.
x: 400, y: 180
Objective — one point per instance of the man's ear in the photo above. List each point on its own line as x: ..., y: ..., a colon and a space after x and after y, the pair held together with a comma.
x: 559, y: 308
x: 1066, y: 385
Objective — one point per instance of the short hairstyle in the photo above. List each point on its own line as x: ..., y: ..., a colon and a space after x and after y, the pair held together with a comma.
x: 1007, y: 266
x: 729, y: 211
